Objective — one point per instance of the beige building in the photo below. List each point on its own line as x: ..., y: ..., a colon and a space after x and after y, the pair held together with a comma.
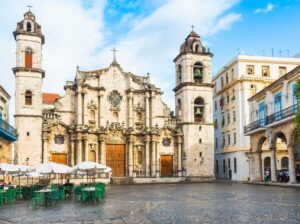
x: 272, y: 129
x: 115, y: 117
x: 7, y: 133
x: 241, y: 78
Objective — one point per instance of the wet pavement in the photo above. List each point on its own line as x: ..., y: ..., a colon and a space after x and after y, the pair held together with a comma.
x: 172, y: 203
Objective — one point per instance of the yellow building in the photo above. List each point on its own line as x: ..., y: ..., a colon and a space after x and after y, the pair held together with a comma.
x: 7, y: 133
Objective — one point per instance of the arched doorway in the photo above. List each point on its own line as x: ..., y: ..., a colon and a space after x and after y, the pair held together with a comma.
x: 285, y: 162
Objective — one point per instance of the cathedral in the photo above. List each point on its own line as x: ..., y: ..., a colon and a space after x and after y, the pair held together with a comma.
x: 114, y: 117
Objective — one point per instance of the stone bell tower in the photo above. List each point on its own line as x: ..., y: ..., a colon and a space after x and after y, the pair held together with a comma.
x: 28, y: 80
x: 193, y: 95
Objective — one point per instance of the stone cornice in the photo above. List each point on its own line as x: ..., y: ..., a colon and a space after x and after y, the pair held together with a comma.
x: 192, y: 84
x: 193, y: 53
x: 22, y: 69
x: 278, y: 82
x: 26, y: 115
x: 21, y: 32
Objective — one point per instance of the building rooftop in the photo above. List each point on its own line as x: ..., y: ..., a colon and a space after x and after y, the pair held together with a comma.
x: 50, y: 98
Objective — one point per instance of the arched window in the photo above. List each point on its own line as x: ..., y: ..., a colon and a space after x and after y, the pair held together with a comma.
x: 139, y: 117
x: 179, y: 73
x: 199, y: 109
x: 28, y: 97
x: 196, y: 47
x: 28, y: 58
x: 28, y: 27
x: 198, y: 72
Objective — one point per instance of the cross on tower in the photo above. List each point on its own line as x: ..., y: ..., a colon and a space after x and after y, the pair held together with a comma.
x: 29, y: 7
x: 192, y: 27
x: 114, y: 54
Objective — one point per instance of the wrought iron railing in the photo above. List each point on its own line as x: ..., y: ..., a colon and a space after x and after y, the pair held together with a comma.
x: 280, y: 115
x: 7, y: 128
x: 255, y: 125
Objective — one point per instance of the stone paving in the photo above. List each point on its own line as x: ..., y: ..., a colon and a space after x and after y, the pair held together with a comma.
x: 172, y: 203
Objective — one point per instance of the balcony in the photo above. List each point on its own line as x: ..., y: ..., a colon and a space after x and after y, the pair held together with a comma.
x: 255, y: 125
x: 7, y: 132
x: 280, y: 115
x: 275, y: 117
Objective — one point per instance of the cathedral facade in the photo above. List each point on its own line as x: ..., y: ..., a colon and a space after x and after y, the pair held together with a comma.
x: 115, y: 117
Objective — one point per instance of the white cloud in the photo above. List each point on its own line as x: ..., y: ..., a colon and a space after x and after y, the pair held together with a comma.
x: 154, y: 41
x: 75, y: 36
x: 269, y: 7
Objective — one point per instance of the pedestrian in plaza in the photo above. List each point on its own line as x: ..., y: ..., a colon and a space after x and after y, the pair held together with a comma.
x: 267, y: 175
x: 280, y: 176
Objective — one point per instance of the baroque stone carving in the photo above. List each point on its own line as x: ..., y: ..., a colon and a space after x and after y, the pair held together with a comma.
x: 92, y: 105
x: 59, y: 139
x: 114, y: 98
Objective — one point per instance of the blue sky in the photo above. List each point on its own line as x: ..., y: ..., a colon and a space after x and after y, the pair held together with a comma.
x: 147, y: 34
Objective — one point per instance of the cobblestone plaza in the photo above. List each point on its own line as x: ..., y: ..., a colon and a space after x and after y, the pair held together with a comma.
x: 172, y: 203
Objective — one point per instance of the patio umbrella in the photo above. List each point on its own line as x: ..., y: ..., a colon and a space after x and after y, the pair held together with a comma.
x: 88, y: 167
x: 53, y: 168
x: 22, y: 170
x: 33, y: 174
x: 8, y: 168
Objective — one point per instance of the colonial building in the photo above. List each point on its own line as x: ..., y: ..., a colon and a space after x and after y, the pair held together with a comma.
x: 7, y: 133
x: 272, y: 129
x: 115, y: 117
x: 242, y: 77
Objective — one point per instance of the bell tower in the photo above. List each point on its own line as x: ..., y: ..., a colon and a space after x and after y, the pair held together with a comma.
x: 28, y: 94
x: 193, y: 101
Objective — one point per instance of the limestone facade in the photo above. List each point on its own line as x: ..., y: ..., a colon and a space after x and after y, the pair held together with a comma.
x: 241, y: 78
x: 272, y: 129
x: 114, y: 117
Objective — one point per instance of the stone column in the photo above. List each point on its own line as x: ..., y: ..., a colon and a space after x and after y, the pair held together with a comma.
x: 100, y: 109
x: 147, y: 152
x: 292, y: 174
x: 147, y: 109
x: 152, y: 123
x: 153, y: 157
x: 157, y: 167
x: 72, y: 152
x: 45, y: 147
x: 130, y: 109
x: 79, y: 108
x: 273, y: 165
x: 79, y: 149
x: 86, y: 148
x: 103, y: 152
x: 130, y: 156
x: 84, y: 109
x: 179, y: 156
x: 255, y: 166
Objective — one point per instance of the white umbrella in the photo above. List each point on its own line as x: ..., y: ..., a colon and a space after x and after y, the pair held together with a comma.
x: 9, y: 168
x: 34, y: 174
x: 88, y: 166
x: 51, y: 167
x: 24, y: 169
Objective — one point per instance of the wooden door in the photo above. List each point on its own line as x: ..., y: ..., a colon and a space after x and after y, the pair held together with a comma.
x: 115, y: 158
x: 59, y: 158
x: 166, y: 166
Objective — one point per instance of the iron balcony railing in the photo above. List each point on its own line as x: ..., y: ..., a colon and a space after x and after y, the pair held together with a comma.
x: 7, y: 130
x: 280, y: 115
x: 255, y: 125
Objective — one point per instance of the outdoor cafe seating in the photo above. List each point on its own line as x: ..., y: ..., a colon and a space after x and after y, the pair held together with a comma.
x: 52, y: 194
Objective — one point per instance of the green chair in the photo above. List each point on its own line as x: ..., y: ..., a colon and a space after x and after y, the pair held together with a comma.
x: 54, y: 197
x: 84, y: 196
x: 77, y: 193
x: 10, y: 196
x: 18, y: 193
x: 62, y: 193
x: 1, y: 198
x: 98, y: 195
x: 38, y: 199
